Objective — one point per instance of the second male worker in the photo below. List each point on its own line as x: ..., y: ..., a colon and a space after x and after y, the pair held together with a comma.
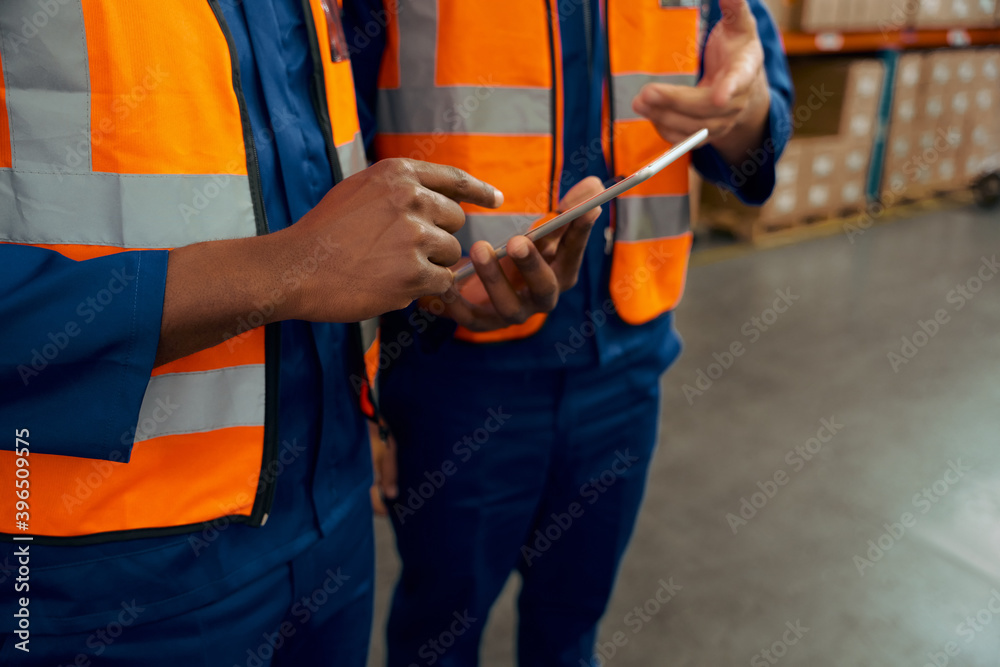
x: 544, y: 431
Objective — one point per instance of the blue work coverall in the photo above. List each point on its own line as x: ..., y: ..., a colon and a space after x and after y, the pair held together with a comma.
x: 532, y: 454
x: 297, y: 591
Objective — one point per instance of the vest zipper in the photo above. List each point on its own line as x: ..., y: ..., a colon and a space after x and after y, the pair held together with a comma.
x: 554, y: 104
x: 588, y: 29
x: 272, y: 333
x: 612, y: 230
x: 319, y: 93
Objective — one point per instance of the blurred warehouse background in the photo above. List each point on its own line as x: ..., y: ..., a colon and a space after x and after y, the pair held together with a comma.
x: 897, y: 102
x: 831, y: 495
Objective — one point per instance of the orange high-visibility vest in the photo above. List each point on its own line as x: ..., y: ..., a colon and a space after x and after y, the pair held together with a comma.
x: 479, y: 85
x: 123, y: 127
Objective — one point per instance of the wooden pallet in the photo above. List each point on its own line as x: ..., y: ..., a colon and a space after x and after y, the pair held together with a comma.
x: 743, y: 227
x: 746, y: 228
x: 829, y: 225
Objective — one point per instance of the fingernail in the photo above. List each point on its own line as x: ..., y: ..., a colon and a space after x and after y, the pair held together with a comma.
x: 497, y: 198
x: 391, y: 492
x: 519, y: 250
x: 652, y: 95
x: 480, y: 253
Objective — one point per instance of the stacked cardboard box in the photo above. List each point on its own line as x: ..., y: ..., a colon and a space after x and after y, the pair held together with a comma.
x: 847, y: 16
x: 932, y: 14
x: 868, y: 16
x: 981, y: 152
x: 944, y: 121
x: 836, y: 141
x: 824, y: 169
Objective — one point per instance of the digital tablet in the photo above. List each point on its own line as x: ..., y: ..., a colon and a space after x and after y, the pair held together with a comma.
x: 603, y: 197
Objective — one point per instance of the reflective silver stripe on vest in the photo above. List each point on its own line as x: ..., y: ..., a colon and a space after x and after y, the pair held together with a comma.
x: 465, y: 110
x: 420, y: 106
x: 646, y: 218
x: 52, y: 192
x: 352, y: 156
x: 52, y: 195
x: 493, y: 228
x: 181, y: 403
x: 47, y: 80
x: 124, y: 210
x: 627, y: 86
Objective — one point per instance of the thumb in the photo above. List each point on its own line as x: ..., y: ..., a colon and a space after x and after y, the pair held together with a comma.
x: 736, y: 16
x: 735, y: 78
x: 723, y: 91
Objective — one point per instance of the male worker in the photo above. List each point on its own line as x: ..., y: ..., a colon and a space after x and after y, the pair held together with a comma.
x: 528, y: 448
x: 184, y: 470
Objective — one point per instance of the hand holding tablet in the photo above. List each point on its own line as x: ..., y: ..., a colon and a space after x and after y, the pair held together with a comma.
x: 466, y: 269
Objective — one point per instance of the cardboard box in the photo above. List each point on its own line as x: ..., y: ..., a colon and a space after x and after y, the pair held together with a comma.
x: 851, y: 195
x: 816, y: 15
x: 781, y: 12
x: 954, y: 14
x: 934, y: 108
x: 989, y: 67
x: 785, y: 204
x: 835, y: 175
x: 855, y: 160
x: 904, y: 109
x: 940, y: 69
x: 909, y: 72
x: 967, y: 65
x: 720, y: 209
x: 852, y: 89
x: 985, y: 103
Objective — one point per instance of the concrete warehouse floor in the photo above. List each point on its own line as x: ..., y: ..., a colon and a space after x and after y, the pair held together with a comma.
x: 874, y: 545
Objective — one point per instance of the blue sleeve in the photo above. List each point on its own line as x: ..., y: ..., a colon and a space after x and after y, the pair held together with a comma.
x: 753, y: 181
x: 77, y: 347
x: 365, y: 27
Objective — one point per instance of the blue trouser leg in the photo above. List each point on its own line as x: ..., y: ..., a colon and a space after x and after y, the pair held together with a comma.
x: 203, y: 637
x: 472, y: 466
x: 313, y: 611
x: 332, y: 606
x: 607, y: 430
x: 459, y: 540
